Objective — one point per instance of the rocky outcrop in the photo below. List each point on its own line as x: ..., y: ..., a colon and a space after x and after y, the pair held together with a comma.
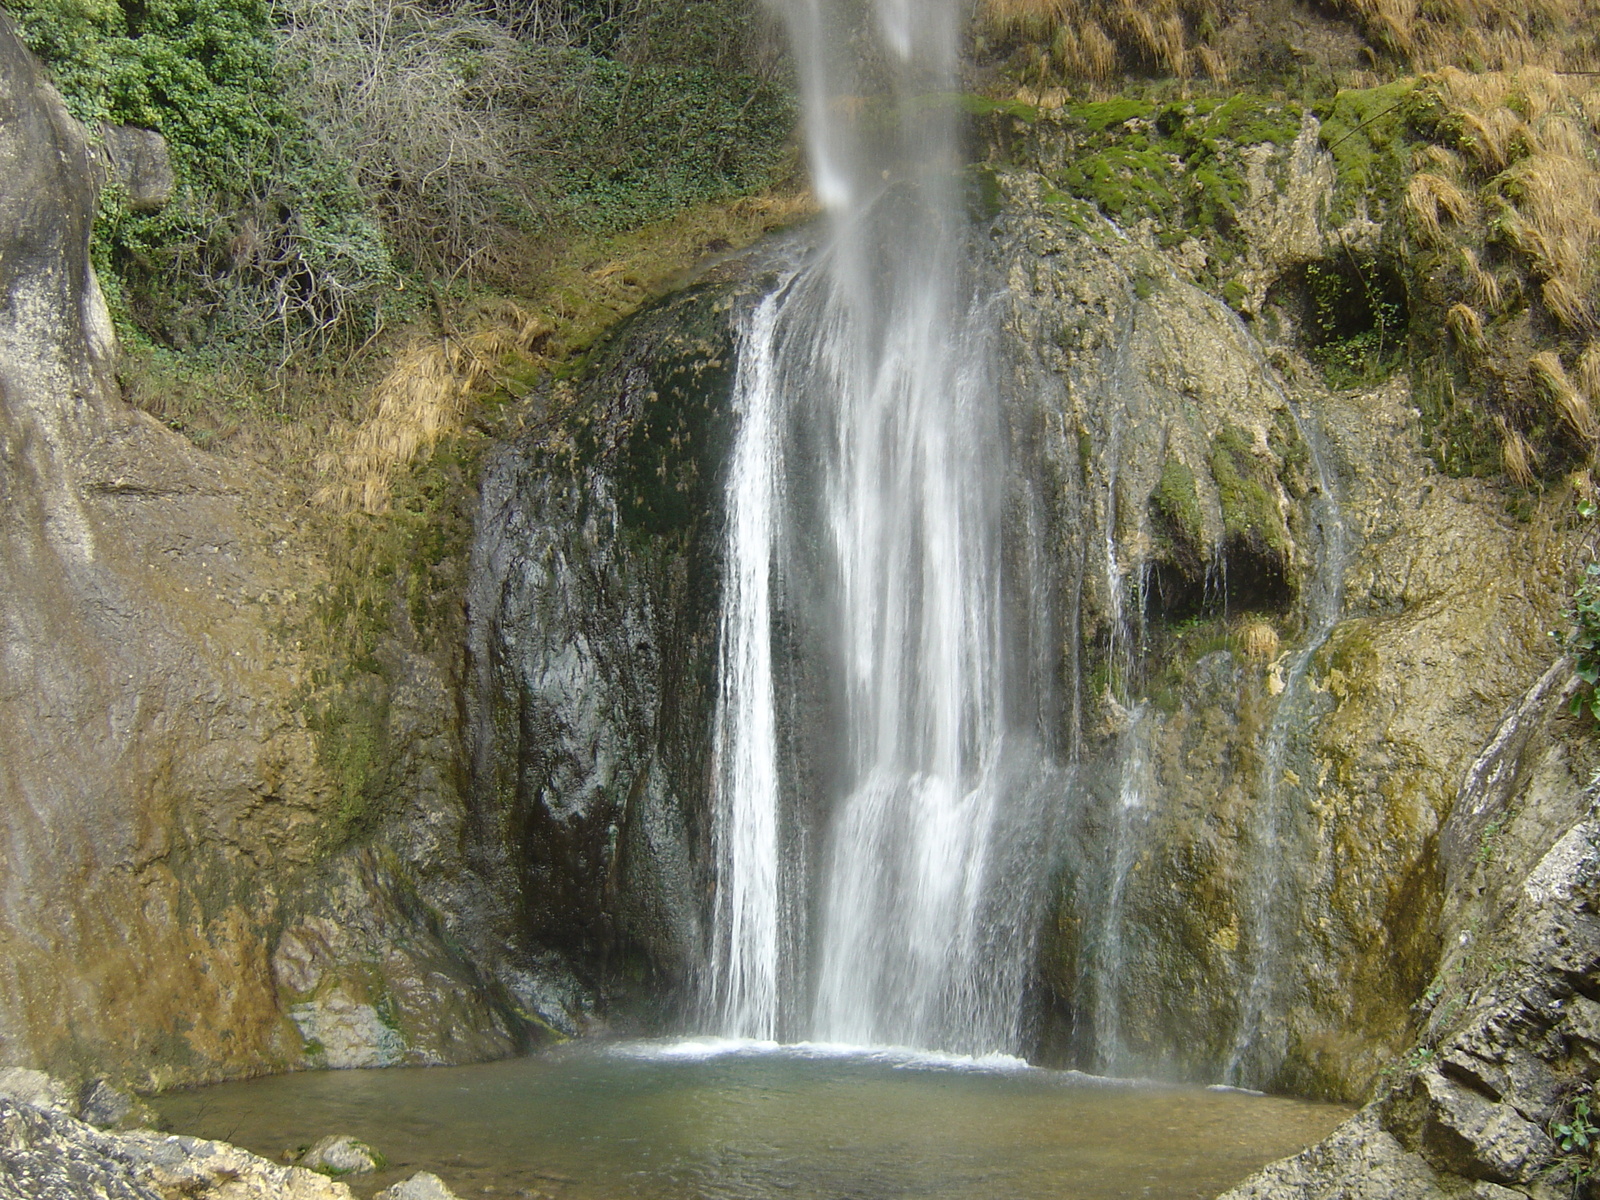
x: 1510, y: 1042
x: 52, y: 1156
x: 593, y: 639
x: 1256, y: 574
x: 170, y: 807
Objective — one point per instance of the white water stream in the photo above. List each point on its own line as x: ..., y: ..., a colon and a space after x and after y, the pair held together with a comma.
x: 865, y: 485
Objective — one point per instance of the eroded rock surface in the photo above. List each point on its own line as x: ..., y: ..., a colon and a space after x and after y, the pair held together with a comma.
x: 169, y: 808
x: 53, y: 1156
x: 1509, y: 1037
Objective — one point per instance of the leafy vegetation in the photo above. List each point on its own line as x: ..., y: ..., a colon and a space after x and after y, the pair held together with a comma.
x: 1582, y: 641
x: 266, y: 239
x: 1577, y: 1132
x: 325, y: 150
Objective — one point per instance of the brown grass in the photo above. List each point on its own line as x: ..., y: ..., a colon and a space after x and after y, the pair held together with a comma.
x: 1260, y: 641
x: 1089, y: 40
x: 1466, y: 327
x: 432, y: 383
x: 1566, y: 303
x: 1527, y: 135
x: 1516, y: 454
x: 1492, y: 136
x: 1588, y: 368
x: 1483, y: 288
x: 1570, y: 404
x: 1429, y: 34
x: 1430, y: 196
x: 421, y: 400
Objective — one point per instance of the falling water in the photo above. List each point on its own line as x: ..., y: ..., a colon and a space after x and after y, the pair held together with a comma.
x: 1259, y: 1042
x: 864, y: 485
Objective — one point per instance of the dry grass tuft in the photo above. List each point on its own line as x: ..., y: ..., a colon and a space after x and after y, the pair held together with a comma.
x: 1492, y: 136
x: 1430, y: 34
x: 1570, y: 404
x: 1260, y: 641
x: 1528, y: 135
x: 1516, y: 454
x: 1089, y: 40
x: 1440, y: 159
x: 1588, y: 368
x: 1428, y: 196
x: 1466, y: 327
x: 421, y: 400
x: 1483, y: 287
x: 1566, y: 303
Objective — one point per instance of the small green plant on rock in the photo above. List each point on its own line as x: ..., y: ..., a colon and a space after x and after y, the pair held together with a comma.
x: 1582, y: 641
x: 1578, y: 1136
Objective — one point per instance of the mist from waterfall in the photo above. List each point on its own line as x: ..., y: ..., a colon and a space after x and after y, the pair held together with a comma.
x: 899, y: 905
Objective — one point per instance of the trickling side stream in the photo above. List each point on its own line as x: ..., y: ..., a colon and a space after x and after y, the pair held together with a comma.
x: 864, y: 516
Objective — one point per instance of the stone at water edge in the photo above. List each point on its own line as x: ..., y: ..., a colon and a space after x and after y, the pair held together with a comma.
x: 107, y: 1107
x: 424, y: 1185
x: 35, y: 1088
x: 341, y: 1154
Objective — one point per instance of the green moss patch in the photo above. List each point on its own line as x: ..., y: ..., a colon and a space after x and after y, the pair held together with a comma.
x: 1367, y: 132
x: 1174, y: 163
x: 1250, y: 511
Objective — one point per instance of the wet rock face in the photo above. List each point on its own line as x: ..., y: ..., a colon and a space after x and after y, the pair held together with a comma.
x: 593, y: 638
x: 1270, y: 734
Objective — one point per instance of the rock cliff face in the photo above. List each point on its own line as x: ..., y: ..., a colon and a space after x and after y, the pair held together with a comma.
x: 1269, y: 638
x: 165, y: 801
x: 1272, y: 641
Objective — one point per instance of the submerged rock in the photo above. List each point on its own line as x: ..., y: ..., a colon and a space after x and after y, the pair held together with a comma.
x: 107, y: 1107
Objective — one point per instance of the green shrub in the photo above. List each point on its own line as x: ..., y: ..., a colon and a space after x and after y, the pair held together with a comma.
x: 265, y: 241
x: 642, y: 142
x: 1582, y: 641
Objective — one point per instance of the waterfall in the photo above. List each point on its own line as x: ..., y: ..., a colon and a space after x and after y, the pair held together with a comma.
x: 1259, y: 1041
x: 864, y: 521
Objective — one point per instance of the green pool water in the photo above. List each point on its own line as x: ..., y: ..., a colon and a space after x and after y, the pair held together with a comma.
x: 709, y: 1120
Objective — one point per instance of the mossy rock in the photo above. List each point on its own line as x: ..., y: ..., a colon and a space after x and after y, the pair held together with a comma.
x: 1257, y: 541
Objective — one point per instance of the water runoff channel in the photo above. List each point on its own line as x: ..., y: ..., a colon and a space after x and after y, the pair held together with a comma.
x: 864, y: 1001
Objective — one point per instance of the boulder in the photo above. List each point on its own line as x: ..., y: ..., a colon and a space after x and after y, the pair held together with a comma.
x: 421, y: 1186
x: 35, y: 1088
x: 52, y: 1156
x: 341, y: 1154
x: 140, y: 164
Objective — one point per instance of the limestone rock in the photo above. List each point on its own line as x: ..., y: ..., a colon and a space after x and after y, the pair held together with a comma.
x: 1467, y: 1134
x: 170, y: 806
x: 52, y: 1156
x: 1359, y: 1161
x: 141, y: 163
x: 195, y: 1167
x: 1510, y: 1029
x: 341, y: 1154
x: 422, y: 1186
x: 44, y: 1092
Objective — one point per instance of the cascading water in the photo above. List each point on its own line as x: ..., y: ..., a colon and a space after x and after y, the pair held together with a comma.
x: 864, y: 490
